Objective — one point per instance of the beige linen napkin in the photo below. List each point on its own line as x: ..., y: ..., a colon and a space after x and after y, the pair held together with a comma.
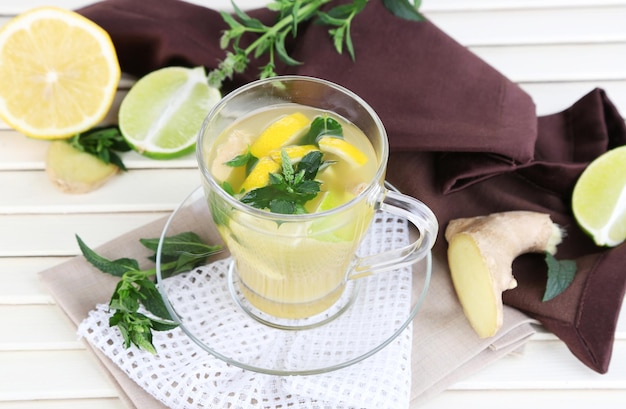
x: 445, y: 348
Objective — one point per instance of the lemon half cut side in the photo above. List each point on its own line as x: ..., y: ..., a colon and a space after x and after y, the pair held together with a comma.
x: 599, y: 198
x: 59, y: 73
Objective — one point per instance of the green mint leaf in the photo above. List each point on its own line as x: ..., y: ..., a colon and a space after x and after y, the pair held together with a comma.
x: 181, y: 252
x: 113, y: 267
x: 159, y: 325
x: 115, y: 159
x: 322, y: 126
x: 279, y: 43
x: 240, y: 160
x: 117, y: 320
x: 338, y: 34
x: 404, y: 9
x: 282, y: 206
x: 309, y: 189
x: 275, y: 6
x: 182, y: 243
x: 264, y: 46
x: 287, y: 166
x: 561, y: 273
x: 228, y: 188
x: 310, y: 164
x: 141, y: 336
x: 152, y: 300
x: 102, y: 142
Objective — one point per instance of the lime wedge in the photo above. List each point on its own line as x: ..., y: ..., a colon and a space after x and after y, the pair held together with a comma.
x: 599, y: 198
x: 162, y: 113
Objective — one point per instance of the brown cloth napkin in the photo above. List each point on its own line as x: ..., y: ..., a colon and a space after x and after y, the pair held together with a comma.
x: 445, y: 348
x: 464, y: 139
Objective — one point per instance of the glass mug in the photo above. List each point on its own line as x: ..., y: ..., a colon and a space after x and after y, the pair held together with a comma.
x: 299, y: 270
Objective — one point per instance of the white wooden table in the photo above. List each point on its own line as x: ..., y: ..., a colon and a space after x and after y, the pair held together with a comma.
x: 557, y: 50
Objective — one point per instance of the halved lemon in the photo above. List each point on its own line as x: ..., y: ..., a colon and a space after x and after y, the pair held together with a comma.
x: 599, y: 198
x: 58, y: 73
x: 282, y: 132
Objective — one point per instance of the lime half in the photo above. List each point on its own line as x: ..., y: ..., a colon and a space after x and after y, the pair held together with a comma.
x: 599, y: 198
x: 162, y: 113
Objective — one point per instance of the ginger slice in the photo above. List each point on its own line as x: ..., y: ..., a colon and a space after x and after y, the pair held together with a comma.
x: 481, y: 251
x: 74, y: 171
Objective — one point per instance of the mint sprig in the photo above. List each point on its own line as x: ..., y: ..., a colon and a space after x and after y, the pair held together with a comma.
x: 272, y: 40
x: 288, y: 191
x: 103, y: 142
x: 136, y: 287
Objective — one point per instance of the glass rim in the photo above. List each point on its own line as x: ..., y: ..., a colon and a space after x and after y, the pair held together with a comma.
x: 375, y: 183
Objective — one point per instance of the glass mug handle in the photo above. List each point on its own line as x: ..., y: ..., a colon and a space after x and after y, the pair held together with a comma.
x: 418, y: 214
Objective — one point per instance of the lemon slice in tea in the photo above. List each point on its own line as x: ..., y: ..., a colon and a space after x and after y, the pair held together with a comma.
x: 599, y: 198
x: 282, y: 132
x: 161, y: 115
x: 295, y: 152
x: 343, y: 150
x: 58, y: 73
x: 260, y: 174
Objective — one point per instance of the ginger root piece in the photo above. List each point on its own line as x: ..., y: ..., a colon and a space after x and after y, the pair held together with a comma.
x: 481, y: 251
x: 74, y: 171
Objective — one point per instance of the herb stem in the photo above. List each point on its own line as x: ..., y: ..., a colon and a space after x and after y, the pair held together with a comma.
x: 301, y: 15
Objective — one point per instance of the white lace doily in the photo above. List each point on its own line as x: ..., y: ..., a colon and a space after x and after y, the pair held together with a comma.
x: 183, y: 375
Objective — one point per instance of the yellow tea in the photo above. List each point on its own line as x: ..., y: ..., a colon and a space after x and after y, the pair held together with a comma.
x: 293, y: 159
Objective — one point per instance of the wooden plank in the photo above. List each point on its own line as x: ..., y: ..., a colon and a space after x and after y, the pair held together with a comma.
x: 51, y: 235
x: 16, y: 7
x: 125, y: 192
x: 543, y: 63
x: 18, y: 152
x: 559, y: 370
x: 493, y: 399
x: 533, y: 26
x: 96, y: 403
x: 36, y: 327
x: 19, y: 282
x: 557, y: 96
x: 34, y: 375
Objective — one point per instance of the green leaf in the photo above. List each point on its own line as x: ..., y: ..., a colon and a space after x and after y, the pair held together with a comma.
x: 240, y: 160
x: 310, y: 164
x: 287, y: 166
x: 228, y: 188
x: 246, y: 20
x: 282, y: 51
x: 322, y: 126
x: 561, y: 273
x: 282, y: 206
x: 116, y: 267
x: 102, y: 142
x: 404, y: 9
x: 182, y: 243
x: 338, y: 34
x: 153, y: 301
x: 159, y: 325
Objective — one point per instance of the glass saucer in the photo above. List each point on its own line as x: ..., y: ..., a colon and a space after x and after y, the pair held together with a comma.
x: 205, y: 305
